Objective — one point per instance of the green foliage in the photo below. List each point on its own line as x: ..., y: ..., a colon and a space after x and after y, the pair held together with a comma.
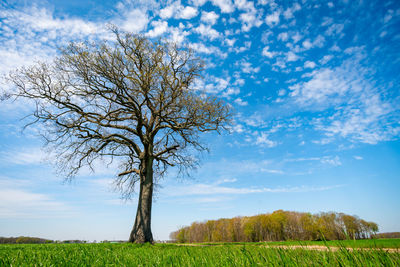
x: 24, y: 240
x: 278, y: 226
x: 245, y: 254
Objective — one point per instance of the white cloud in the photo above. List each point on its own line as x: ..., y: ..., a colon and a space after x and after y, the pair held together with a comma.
x: 263, y: 140
x: 207, y: 49
x: 249, y: 20
x: 167, y: 12
x: 309, y: 64
x: 178, y: 11
x: 359, y: 112
x: 42, y: 19
x: 324, y: 84
x: 187, y: 13
x: 330, y: 160
x: 251, y: 17
x: 226, y: 6
x: 212, y: 189
x: 240, y: 49
x: 283, y: 36
x: 216, y: 85
x: 335, y: 161
x: 358, y: 157
x: 288, y: 13
x: 273, y: 19
x: 159, y: 27
x: 290, y: 56
x: 325, y: 59
x: 238, y: 128
x: 240, y: 102
x: 177, y: 34
x: 17, y: 202
x: 26, y: 156
x: 207, y: 31
x: 248, y: 68
x: 230, y: 42
x: 318, y: 42
x: 296, y: 37
x: 198, y: 2
x: 209, y: 17
x: 267, y: 53
x: 134, y: 21
x: 334, y: 29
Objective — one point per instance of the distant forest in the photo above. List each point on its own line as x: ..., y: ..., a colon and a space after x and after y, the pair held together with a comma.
x: 278, y: 226
x: 24, y: 240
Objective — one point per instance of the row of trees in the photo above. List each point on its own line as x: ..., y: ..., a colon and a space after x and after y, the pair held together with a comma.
x: 277, y: 226
x: 24, y: 240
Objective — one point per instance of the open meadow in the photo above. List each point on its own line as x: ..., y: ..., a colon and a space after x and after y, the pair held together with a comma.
x: 349, y: 253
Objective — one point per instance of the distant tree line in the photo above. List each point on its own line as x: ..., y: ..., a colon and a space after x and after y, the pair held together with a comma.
x: 278, y: 226
x: 387, y: 235
x: 24, y: 240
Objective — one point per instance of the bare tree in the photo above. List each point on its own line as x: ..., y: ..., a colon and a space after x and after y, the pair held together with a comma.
x: 131, y: 99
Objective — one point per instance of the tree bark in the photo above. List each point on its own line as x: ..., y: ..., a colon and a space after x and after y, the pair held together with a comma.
x: 141, y: 231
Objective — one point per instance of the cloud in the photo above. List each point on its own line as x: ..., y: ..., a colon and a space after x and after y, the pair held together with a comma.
x: 207, y: 49
x: 216, y: 85
x: 358, y: 111
x: 209, y: 17
x: 159, y: 27
x: 251, y: 16
x: 290, y: 56
x: 188, y: 13
x: 213, y: 189
x: 309, y: 64
x: 324, y: 83
x: 168, y: 11
x: 18, y: 202
x: 273, y: 19
x: 178, y: 35
x: 325, y: 59
x: 248, y: 68
x: 177, y: 11
x: 335, y: 29
x: 207, y: 31
x: 263, y: 140
x: 42, y: 19
x: 240, y: 102
x: 226, y: 6
x: 283, y: 36
x: 249, y: 20
x: 134, y: 20
x: 267, y: 53
x: 330, y: 160
x: 26, y: 156
x: 318, y: 42
x: 288, y: 13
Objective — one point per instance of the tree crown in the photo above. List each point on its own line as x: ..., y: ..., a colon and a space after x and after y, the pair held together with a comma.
x: 131, y: 99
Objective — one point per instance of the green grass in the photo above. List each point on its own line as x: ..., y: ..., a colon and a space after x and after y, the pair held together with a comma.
x: 172, y: 255
x: 363, y: 243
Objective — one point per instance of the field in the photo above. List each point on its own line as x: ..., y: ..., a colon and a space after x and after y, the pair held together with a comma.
x: 239, y: 254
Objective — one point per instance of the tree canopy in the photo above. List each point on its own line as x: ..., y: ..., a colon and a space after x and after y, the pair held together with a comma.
x: 278, y: 226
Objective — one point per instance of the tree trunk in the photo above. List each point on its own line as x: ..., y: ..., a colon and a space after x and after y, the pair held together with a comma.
x: 141, y: 232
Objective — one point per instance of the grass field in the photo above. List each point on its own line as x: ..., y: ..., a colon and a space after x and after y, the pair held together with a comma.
x: 363, y: 243
x: 244, y: 254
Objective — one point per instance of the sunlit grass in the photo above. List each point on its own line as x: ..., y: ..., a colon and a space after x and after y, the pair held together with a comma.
x: 245, y: 254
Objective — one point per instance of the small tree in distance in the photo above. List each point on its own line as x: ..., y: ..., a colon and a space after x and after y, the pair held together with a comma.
x: 131, y: 99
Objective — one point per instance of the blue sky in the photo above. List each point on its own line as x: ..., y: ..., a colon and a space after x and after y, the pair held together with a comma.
x: 315, y: 88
